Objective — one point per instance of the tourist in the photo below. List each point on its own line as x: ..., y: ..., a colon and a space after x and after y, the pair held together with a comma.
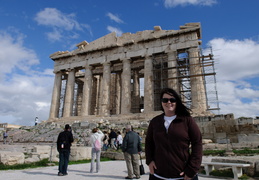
x: 119, y: 140
x: 131, y: 147
x: 96, y: 143
x: 64, y: 141
x: 5, y: 136
x: 36, y: 121
x: 168, y: 140
x: 113, y: 137
x: 105, y: 140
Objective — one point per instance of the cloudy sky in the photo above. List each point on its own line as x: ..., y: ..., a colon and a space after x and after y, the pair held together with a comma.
x: 32, y: 30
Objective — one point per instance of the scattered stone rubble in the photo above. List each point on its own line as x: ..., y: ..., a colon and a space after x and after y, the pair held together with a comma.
x: 33, y: 143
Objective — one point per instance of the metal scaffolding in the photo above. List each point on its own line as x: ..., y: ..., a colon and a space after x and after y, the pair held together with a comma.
x: 161, y: 72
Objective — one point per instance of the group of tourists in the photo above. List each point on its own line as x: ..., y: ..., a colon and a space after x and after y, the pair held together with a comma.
x: 112, y: 140
x: 173, y: 144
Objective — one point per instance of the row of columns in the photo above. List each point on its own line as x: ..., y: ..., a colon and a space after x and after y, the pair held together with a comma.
x: 123, y: 90
x: 123, y: 94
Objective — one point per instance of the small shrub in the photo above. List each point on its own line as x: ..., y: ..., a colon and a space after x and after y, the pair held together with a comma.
x: 244, y: 176
x: 214, y: 152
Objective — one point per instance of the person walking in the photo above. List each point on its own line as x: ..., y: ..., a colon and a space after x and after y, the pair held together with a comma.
x: 64, y: 141
x: 119, y: 140
x: 96, y: 143
x: 5, y: 136
x: 36, y: 121
x: 131, y: 147
x: 168, y: 140
x: 113, y: 138
x: 105, y: 141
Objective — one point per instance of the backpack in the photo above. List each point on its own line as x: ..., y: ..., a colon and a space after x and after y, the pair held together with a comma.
x: 97, y: 145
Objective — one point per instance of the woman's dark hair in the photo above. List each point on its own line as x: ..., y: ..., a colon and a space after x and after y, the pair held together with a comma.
x: 181, y: 109
x: 94, y: 130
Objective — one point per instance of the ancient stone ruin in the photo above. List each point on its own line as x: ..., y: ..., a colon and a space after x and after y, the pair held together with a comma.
x: 114, y: 76
x: 114, y: 81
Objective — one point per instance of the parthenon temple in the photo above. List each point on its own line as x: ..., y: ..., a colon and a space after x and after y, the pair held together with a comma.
x: 124, y: 75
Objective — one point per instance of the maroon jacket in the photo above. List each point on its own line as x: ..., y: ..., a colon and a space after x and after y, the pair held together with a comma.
x: 171, y: 151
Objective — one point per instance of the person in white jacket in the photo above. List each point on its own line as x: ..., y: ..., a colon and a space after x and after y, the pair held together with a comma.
x: 96, y: 143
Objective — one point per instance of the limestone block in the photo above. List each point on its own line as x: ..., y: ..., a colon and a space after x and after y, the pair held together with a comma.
x: 11, y: 158
x: 84, y: 124
x: 42, y: 149
x: 206, y: 141
x: 31, y: 159
x: 80, y: 153
x: 222, y: 135
x: 112, y: 155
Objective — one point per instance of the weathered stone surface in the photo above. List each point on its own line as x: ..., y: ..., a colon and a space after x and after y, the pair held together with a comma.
x: 11, y: 158
x: 80, y: 153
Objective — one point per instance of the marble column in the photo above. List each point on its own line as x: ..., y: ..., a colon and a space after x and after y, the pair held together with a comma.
x: 87, y: 91
x: 148, y: 86
x: 106, y: 81
x: 126, y: 90
x: 118, y: 93
x: 69, y: 97
x: 172, y: 72
x: 136, y: 92
x: 197, y: 82
x: 55, y: 102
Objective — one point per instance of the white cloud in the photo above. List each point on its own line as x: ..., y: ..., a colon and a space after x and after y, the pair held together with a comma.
x: 61, y: 24
x: 236, y: 63
x: 114, y: 18
x: 27, y: 94
x: 13, y: 54
x: 114, y: 29
x: 238, y: 59
x: 174, y: 3
x: 55, y: 35
x: 54, y: 18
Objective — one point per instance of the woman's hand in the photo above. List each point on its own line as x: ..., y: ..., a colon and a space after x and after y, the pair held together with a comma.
x: 152, y: 167
x: 185, y: 177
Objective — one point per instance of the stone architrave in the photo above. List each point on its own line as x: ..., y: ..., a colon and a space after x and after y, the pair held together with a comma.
x: 68, y: 106
x: 55, y: 102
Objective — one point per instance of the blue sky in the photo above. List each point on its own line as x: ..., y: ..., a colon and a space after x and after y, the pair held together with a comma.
x: 32, y: 30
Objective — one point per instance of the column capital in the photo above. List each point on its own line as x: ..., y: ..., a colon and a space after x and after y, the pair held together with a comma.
x: 106, y: 63
x: 70, y: 69
x: 126, y: 60
x: 89, y: 67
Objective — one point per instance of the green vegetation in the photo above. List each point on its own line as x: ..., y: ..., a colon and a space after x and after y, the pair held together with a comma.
x: 214, y: 152
x: 246, y: 151
x: 42, y: 163
x: 226, y: 173
x: 243, y: 152
x: 222, y: 173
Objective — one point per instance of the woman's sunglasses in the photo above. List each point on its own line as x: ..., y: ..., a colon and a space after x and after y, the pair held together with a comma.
x: 165, y: 100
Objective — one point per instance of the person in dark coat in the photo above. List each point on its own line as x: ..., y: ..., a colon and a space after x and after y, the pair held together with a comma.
x: 131, y: 146
x: 64, y: 141
x: 169, y: 138
x: 113, y: 137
